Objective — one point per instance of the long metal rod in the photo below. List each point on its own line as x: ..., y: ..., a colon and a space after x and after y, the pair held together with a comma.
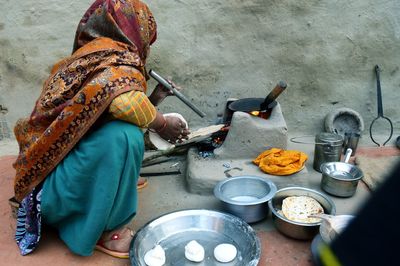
x: 379, y: 91
x: 177, y: 93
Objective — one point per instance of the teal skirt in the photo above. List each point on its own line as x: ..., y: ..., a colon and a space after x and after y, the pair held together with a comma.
x: 94, y: 188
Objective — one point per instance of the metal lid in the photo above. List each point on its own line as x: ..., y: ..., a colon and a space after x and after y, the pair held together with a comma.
x: 328, y: 138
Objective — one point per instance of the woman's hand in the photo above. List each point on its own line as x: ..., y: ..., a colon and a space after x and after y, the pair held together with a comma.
x: 170, y: 128
x: 160, y: 93
x: 175, y: 130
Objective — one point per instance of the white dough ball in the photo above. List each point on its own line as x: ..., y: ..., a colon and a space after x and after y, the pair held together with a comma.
x: 155, y: 256
x: 194, y: 251
x: 225, y: 252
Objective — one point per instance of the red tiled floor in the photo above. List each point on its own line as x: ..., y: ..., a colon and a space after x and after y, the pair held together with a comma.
x: 276, y: 249
x: 378, y: 151
x: 280, y: 250
x: 51, y: 250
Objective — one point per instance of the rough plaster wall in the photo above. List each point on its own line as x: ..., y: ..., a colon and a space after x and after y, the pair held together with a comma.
x: 216, y: 49
x: 33, y: 36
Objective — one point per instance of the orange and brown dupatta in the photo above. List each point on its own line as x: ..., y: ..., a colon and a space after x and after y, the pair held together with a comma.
x: 81, y: 87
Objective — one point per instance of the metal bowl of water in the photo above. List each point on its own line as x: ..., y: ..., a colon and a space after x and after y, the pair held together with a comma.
x: 340, y: 179
x: 209, y: 228
x: 246, y: 196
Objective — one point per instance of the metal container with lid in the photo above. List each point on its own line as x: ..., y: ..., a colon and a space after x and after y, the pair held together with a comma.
x: 328, y: 148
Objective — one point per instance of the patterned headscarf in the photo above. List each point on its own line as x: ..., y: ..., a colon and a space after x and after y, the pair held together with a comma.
x: 110, y: 49
x: 126, y: 21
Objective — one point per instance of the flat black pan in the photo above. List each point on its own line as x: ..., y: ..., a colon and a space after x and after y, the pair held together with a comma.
x: 250, y: 104
x: 259, y: 104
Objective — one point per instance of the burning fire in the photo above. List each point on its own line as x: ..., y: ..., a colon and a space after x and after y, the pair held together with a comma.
x: 255, y: 113
x: 261, y: 114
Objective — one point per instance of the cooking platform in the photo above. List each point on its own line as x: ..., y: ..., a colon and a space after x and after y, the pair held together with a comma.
x: 248, y: 136
x: 204, y: 173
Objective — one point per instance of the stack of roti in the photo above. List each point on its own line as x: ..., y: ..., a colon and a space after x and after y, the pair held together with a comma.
x: 298, y: 208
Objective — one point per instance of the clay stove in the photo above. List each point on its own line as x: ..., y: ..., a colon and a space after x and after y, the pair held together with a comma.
x: 247, y: 137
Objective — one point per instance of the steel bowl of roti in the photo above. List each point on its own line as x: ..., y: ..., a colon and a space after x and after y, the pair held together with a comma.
x: 291, y: 208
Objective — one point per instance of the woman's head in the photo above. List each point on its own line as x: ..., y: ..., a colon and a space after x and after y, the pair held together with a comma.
x: 127, y: 21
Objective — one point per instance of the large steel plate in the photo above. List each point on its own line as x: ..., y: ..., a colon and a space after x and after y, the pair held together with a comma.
x: 209, y: 228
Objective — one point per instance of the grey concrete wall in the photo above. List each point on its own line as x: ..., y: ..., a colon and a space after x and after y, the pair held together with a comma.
x: 325, y: 50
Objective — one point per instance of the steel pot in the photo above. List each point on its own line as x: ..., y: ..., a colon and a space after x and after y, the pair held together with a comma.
x: 328, y: 148
x: 340, y: 178
x: 293, y: 229
x: 246, y: 196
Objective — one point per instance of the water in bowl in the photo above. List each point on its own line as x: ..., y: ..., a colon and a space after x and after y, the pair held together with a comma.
x: 245, y: 198
x: 342, y: 175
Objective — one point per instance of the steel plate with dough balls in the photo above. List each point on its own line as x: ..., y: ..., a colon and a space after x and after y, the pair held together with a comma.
x: 209, y: 228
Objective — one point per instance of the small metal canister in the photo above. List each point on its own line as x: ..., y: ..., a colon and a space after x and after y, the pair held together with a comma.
x: 328, y: 148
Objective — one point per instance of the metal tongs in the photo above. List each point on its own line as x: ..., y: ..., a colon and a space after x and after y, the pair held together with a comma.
x: 177, y: 93
x: 380, y: 110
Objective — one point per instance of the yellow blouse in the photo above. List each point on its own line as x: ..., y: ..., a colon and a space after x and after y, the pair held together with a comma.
x: 133, y: 107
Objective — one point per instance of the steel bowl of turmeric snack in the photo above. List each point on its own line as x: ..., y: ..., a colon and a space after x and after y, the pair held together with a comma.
x: 292, y: 207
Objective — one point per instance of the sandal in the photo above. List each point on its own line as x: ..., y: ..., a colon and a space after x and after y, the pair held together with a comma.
x: 106, y: 243
x: 142, y: 182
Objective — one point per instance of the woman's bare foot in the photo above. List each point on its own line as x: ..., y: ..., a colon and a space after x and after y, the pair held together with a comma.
x: 116, y: 243
x: 142, y: 182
